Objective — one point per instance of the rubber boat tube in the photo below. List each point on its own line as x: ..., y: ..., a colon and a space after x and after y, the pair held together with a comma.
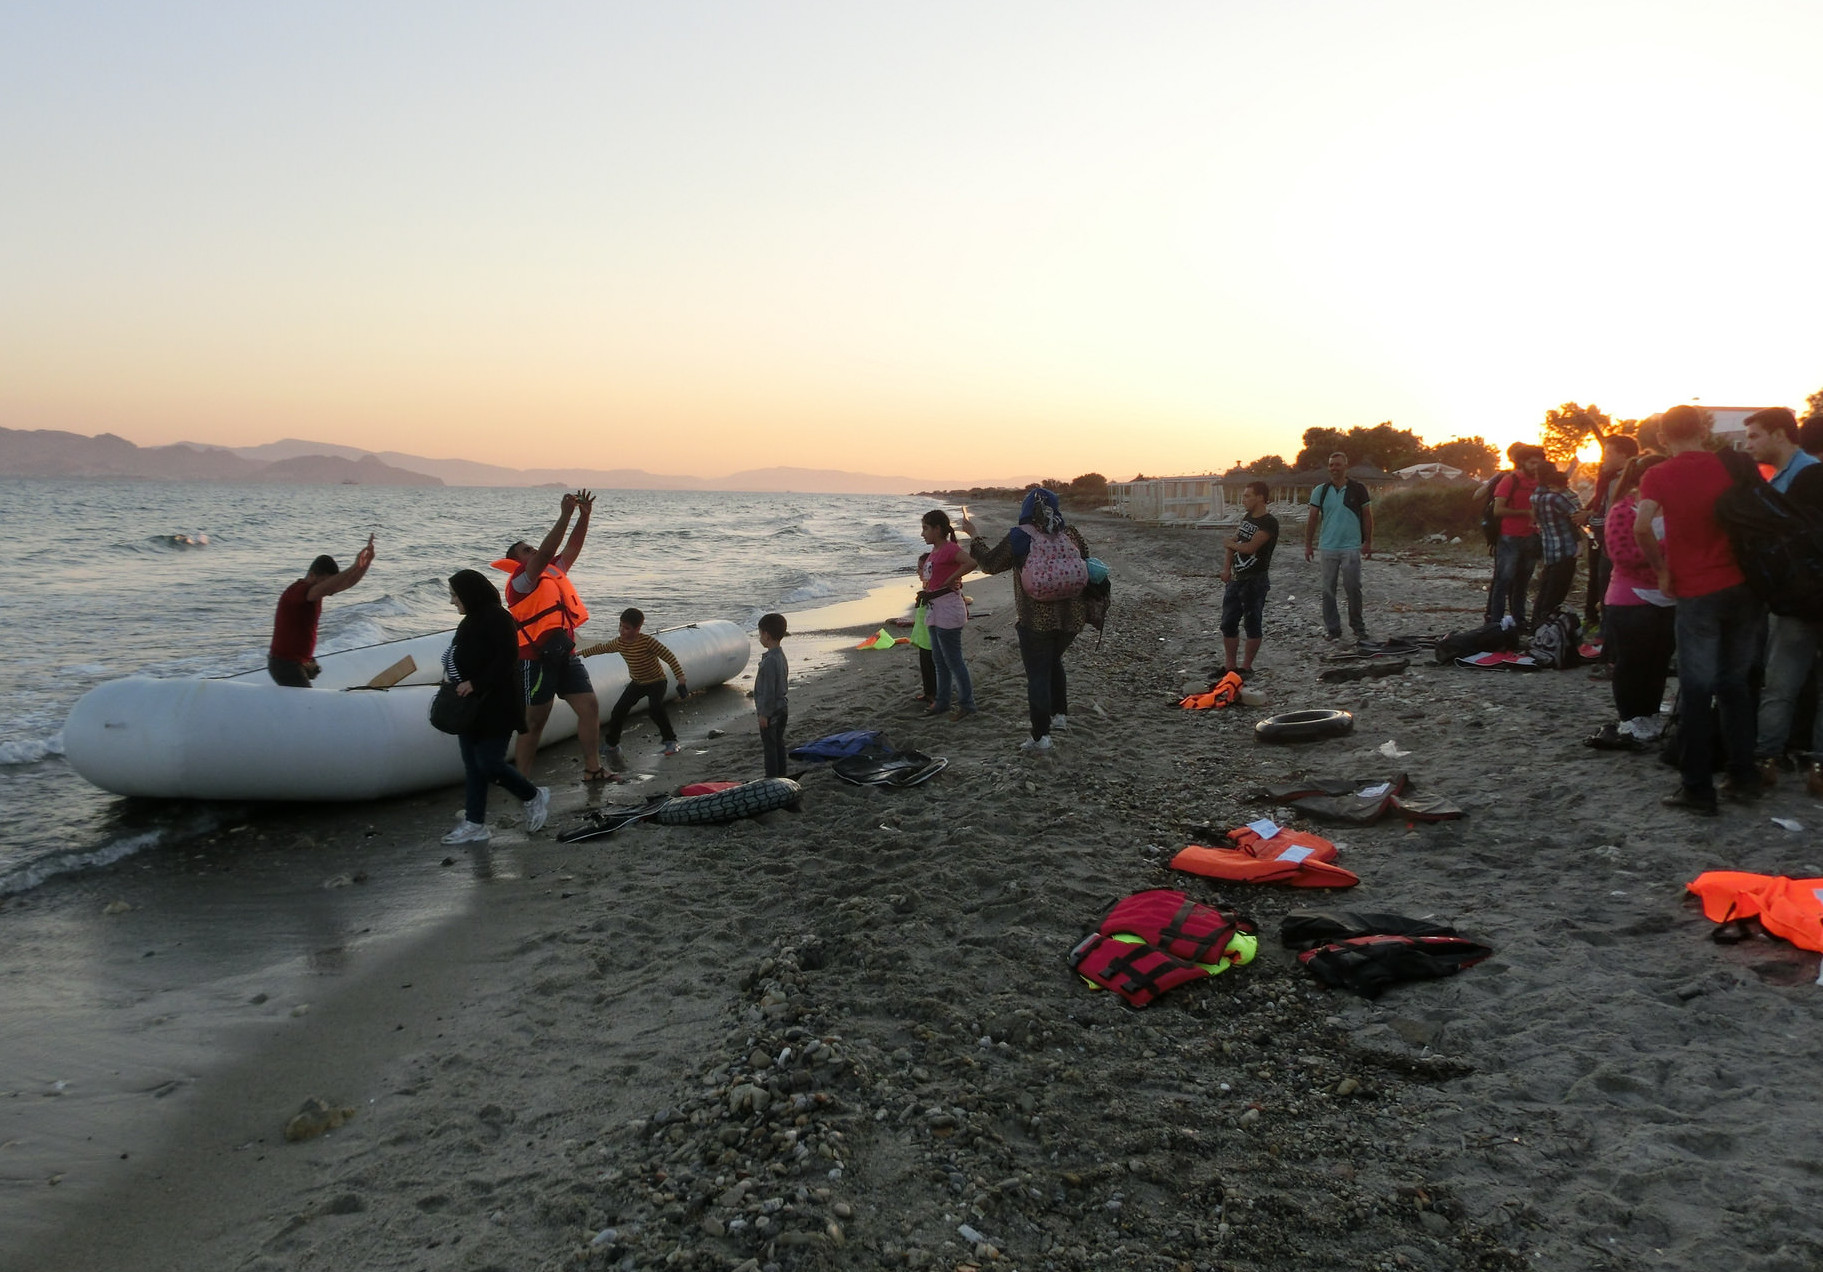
x: 244, y: 737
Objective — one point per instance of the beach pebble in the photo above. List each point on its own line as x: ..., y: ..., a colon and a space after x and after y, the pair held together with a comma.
x: 1250, y: 1117
x: 1348, y: 1086
x: 302, y: 1009
x: 117, y: 907
x: 606, y: 1237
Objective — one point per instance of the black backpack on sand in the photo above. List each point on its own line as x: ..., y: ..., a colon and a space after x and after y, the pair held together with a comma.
x: 1486, y: 639
x: 1777, y: 543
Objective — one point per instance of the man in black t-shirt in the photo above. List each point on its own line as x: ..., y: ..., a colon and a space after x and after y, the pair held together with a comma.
x: 1248, y: 557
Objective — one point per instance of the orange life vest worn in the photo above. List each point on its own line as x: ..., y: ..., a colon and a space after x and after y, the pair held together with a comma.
x: 1788, y: 908
x: 1224, y: 692
x: 1239, y: 866
x: 552, y: 606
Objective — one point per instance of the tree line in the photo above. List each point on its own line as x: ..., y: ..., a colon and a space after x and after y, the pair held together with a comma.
x: 1385, y: 447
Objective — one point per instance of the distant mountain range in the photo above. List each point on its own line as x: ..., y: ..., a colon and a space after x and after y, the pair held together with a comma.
x: 49, y: 453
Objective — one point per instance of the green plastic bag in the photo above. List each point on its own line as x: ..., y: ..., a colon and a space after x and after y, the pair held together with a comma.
x: 920, y: 633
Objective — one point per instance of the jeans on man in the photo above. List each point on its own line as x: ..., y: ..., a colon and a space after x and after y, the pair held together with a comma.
x: 1046, y: 692
x: 1343, y: 564
x: 1553, y: 588
x: 484, y: 762
x: 1717, y: 639
x: 1515, y: 557
x: 1791, y: 652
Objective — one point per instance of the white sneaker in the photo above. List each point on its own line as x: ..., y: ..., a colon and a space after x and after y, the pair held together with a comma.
x: 1036, y: 744
x: 468, y: 832
x: 537, y: 809
x: 1646, y: 728
x: 1059, y: 722
x: 616, y: 760
x: 671, y: 747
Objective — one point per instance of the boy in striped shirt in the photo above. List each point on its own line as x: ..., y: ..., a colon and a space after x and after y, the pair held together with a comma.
x: 645, y: 679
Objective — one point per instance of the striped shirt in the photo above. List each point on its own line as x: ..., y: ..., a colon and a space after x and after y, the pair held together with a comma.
x: 642, y: 654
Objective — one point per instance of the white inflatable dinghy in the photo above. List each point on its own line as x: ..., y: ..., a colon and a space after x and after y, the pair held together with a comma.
x: 244, y: 737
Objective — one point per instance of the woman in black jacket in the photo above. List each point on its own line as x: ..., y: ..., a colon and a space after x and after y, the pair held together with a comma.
x: 484, y: 660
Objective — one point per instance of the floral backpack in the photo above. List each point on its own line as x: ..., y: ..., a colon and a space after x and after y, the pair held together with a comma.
x: 1054, y: 569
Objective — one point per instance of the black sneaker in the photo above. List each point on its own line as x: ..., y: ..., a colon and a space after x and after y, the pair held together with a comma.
x: 1684, y: 797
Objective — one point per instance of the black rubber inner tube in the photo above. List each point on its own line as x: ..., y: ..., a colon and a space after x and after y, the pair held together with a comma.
x: 1304, y: 726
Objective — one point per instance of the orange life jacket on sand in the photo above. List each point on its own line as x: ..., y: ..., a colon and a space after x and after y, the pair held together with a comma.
x: 552, y: 606
x: 1788, y: 908
x: 1285, y: 845
x: 1293, y: 867
x: 1223, y: 693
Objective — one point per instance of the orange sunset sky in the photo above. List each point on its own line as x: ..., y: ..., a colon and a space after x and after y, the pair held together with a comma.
x: 955, y: 241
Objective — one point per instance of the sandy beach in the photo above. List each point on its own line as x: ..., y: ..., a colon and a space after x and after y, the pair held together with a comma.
x: 847, y: 1038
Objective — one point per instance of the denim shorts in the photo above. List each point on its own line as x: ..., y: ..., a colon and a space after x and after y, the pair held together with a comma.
x: 1244, y: 601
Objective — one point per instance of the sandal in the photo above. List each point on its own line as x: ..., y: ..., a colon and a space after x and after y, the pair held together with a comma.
x: 593, y: 777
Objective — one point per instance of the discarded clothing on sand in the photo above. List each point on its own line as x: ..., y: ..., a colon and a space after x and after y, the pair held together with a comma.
x: 1157, y: 940
x: 1361, y: 801
x: 1369, y: 965
x: 896, y: 768
x: 1264, y: 853
x: 1788, y: 908
x: 836, y: 745
x: 1501, y: 660
x: 1308, y: 929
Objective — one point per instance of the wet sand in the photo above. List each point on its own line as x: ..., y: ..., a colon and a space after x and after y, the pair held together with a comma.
x: 839, y: 1037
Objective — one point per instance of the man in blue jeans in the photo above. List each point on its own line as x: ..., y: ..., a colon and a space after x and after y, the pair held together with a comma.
x: 1339, y: 509
x: 1517, y: 553
x: 1718, y: 618
x: 1791, y: 643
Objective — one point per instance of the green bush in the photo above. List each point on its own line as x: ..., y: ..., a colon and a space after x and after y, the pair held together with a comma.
x: 1414, y: 512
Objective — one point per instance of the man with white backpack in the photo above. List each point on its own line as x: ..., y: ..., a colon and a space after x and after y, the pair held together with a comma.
x: 1050, y: 571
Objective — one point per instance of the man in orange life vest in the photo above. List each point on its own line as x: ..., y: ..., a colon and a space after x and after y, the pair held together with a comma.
x: 547, y: 612
x: 291, y: 661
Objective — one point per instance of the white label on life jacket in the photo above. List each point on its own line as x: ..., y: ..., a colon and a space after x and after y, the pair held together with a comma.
x: 1296, y: 854
x: 1265, y: 827
x: 1376, y: 791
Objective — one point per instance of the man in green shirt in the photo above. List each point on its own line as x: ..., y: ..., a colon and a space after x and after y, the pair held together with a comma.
x: 1339, y: 510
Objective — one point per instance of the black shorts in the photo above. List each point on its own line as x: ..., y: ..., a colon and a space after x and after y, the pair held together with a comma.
x: 285, y: 672
x: 555, y: 673
x: 1245, y: 601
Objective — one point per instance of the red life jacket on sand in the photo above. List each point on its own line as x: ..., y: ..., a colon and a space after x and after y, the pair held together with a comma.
x: 1137, y: 972
x: 1181, y: 927
x: 1239, y: 866
x: 1223, y: 693
x: 1788, y: 908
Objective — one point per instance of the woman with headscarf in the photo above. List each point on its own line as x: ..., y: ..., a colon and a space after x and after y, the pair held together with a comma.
x: 484, y: 659
x: 1045, y: 626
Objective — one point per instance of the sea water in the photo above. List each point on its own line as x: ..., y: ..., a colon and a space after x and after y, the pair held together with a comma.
x: 180, y: 579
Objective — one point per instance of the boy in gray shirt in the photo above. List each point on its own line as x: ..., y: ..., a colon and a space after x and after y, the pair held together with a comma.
x: 770, y: 700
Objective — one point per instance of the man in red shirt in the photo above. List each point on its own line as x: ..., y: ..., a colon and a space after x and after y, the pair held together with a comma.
x: 1517, y: 553
x: 291, y: 661
x: 1718, y: 618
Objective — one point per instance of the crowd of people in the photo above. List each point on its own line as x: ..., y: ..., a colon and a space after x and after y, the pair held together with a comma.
x: 1666, y: 587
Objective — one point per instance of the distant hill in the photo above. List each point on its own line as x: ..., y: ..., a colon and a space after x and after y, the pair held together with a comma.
x: 48, y: 453
x: 53, y: 453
